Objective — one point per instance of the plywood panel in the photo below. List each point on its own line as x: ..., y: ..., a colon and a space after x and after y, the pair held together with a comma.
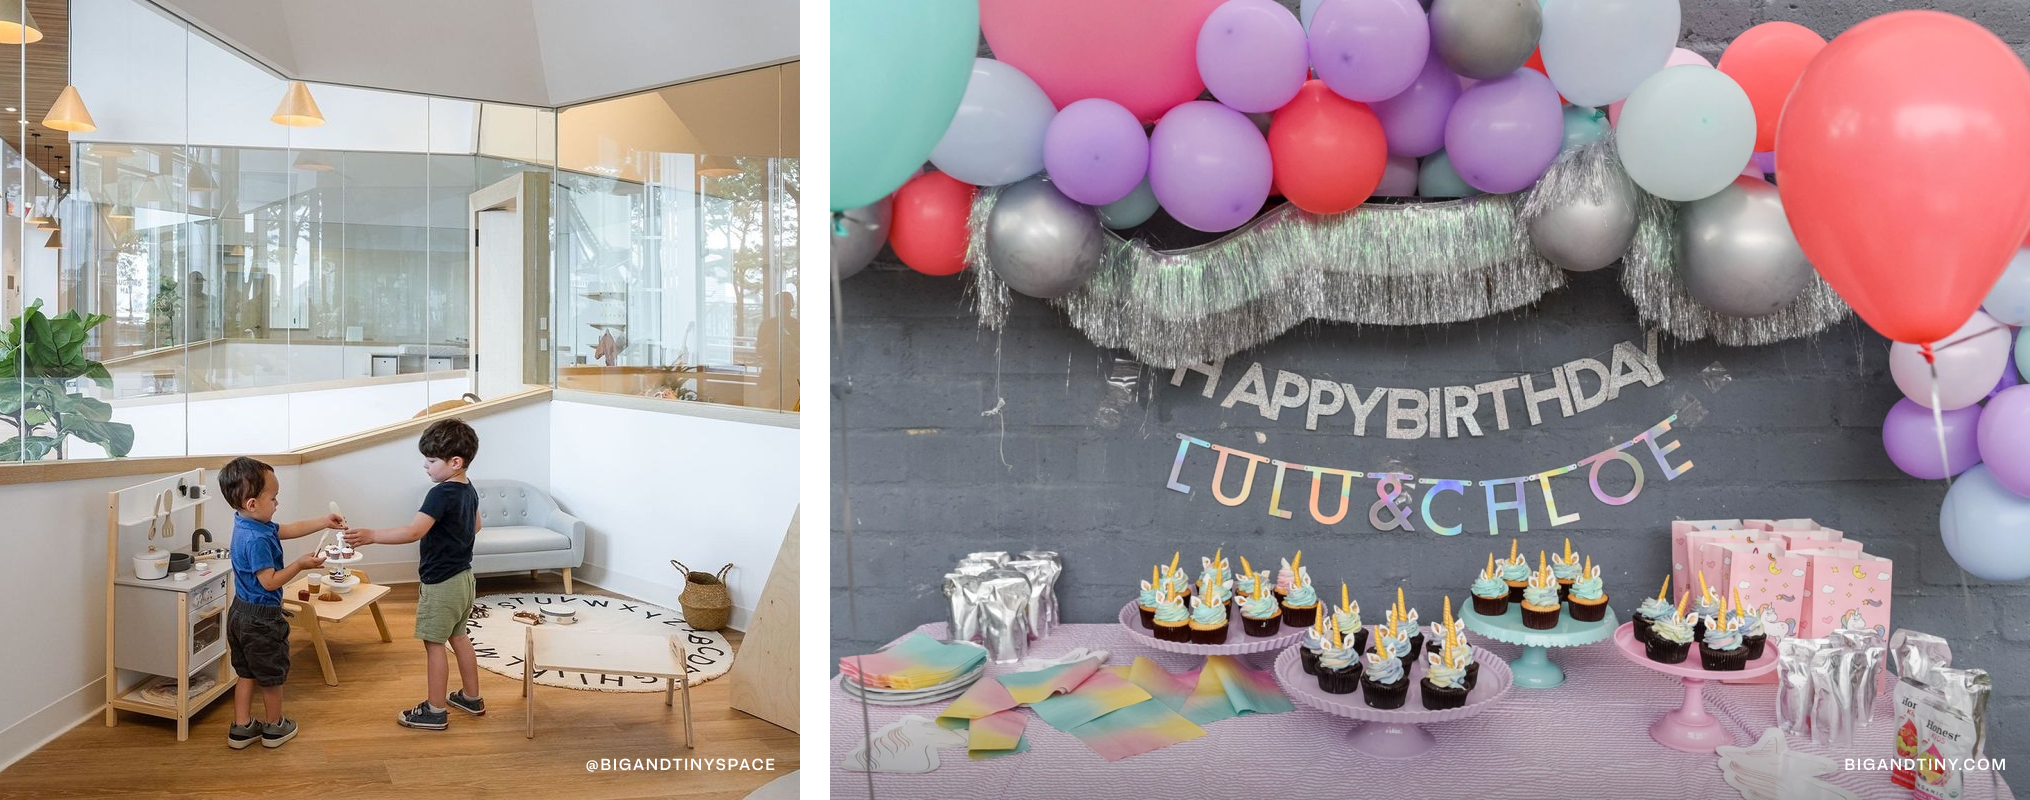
x: 765, y: 673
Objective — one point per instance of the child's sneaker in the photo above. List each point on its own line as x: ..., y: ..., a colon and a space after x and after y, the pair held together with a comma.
x: 422, y: 717
x: 274, y: 734
x: 470, y: 705
x: 239, y: 736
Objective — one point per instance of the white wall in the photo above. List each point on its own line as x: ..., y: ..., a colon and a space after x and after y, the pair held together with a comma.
x: 656, y: 486
x: 271, y: 422
x: 55, y: 538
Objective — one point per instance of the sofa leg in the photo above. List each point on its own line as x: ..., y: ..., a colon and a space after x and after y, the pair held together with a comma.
x: 567, y: 580
x: 532, y: 574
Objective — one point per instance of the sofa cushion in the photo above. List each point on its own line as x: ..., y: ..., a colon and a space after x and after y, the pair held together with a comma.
x: 517, y: 539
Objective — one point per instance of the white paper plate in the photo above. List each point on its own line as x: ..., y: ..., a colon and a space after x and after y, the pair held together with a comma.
x: 949, y: 692
x: 962, y: 681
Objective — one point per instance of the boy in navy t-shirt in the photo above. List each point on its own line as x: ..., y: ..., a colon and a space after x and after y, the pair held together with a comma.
x: 255, y: 630
x: 446, y: 524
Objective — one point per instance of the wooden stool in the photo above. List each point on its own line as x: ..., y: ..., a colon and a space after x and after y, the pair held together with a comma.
x: 619, y: 653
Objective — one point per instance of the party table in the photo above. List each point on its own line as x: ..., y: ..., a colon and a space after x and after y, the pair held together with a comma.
x: 1588, y: 737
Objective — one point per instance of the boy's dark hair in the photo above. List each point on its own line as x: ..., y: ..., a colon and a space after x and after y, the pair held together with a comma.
x: 446, y: 439
x: 243, y: 479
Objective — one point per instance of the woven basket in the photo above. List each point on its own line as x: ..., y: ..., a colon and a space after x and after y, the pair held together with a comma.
x: 708, y: 605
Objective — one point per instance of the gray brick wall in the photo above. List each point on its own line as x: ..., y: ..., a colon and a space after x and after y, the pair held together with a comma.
x: 1081, y: 464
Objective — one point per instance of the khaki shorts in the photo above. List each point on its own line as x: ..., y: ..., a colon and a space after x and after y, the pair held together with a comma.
x: 442, y: 608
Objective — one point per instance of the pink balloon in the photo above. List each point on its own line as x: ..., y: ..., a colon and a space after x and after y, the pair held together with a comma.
x: 1970, y: 362
x: 1142, y: 54
x: 1209, y: 166
x: 1679, y: 57
x: 1251, y: 54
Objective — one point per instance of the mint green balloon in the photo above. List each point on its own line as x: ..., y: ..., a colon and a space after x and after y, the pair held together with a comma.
x: 2023, y: 353
x: 899, y: 68
x: 1583, y: 126
x: 1437, y: 178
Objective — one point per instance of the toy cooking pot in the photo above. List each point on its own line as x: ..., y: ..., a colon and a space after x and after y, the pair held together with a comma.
x: 151, y: 565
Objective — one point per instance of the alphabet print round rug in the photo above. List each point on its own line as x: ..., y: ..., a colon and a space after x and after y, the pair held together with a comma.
x: 498, y: 639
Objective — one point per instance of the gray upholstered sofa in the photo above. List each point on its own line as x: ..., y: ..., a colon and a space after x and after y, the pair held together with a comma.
x: 521, y: 528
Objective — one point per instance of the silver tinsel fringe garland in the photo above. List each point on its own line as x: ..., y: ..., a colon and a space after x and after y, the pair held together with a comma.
x: 1414, y: 264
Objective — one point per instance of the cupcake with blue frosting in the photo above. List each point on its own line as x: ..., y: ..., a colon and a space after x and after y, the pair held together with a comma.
x: 1316, y: 639
x: 1152, y: 593
x: 1339, y: 666
x: 1444, y: 684
x: 1567, y: 570
x: 1651, y: 610
x: 1670, y: 638
x: 1208, y: 621
x: 1300, y: 605
x: 1261, y: 614
x: 1587, y: 601
x: 1540, y: 599
x: 1753, y: 636
x: 1384, y: 683
x: 1490, y: 592
x: 1172, y: 620
x: 1516, y: 573
x: 1720, y: 650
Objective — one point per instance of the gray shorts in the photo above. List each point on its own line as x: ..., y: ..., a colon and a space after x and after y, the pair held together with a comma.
x: 258, y: 637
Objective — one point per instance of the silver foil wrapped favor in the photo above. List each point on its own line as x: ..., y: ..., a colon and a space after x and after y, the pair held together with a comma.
x: 974, y: 567
x: 1874, y: 651
x: 995, y: 557
x: 1917, y: 658
x: 1042, y: 576
x: 1836, y: 674
x: 1004, y: 615
x: 1051, y: 617
x: 1965, y: 692
x: 962, y: 607
x: 1794, y: 683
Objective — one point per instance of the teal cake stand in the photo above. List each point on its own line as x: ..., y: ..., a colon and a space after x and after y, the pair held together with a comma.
x: 1533, y: 669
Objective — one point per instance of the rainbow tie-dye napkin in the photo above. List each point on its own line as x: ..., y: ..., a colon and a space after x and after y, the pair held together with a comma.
x: 918, y: 662
x: 1102, y: 694
x: 1226, y: 689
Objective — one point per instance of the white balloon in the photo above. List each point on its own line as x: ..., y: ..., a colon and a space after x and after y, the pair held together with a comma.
x: 1969, y: 362
x: 2009, y: 301
x: 1597, y: 51
x: 1685, y: 132
x: 997, y: 136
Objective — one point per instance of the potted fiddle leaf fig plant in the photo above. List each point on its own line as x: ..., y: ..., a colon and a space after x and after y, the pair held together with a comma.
x: 39, y: 358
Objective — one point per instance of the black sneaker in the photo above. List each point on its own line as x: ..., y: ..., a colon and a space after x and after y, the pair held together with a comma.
x: 470, y: 705
x: 239, y: 736
x: 422, y: 717
x: 274, y: 734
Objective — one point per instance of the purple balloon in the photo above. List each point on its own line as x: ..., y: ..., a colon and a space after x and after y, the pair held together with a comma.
x: 2009, y: 378
x: 1765, y: 160
x: 2005, y: 433
x: 1369, y: 50
x: 1095, y: 151
x: 1251, y: 55
x: 1503, y: 133
x: 1413, y: 121
x: 1912, y: 440
x: 1209, y: 166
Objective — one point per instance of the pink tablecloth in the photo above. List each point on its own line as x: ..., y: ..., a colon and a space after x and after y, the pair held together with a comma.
x: 1587, y: 738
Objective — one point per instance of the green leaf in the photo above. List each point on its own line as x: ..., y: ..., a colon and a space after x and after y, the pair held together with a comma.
x: 33, y: 448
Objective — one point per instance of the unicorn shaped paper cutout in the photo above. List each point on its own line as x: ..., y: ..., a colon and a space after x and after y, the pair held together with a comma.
x: 908, y: 745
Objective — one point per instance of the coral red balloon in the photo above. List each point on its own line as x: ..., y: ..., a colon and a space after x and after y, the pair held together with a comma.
x: 1142, y: 54
x: 1536, y: 62
x: 1328, y: 151
x: 1767, y: 60
x: 928, y: 230
x: 1906, y: 168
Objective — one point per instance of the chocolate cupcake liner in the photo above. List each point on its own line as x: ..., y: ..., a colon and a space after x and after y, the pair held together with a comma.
x: 1490, y: 606
x: 1588, y: 612
x: 1539, y: 620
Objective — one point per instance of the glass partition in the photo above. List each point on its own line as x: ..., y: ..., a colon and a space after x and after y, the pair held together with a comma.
x: 263, y: 287
x: 676, y: 243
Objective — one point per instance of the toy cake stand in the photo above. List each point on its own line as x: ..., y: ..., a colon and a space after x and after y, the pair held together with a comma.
x: 1393, y: 733
x: 1533, y: 669
x: 1689, y: 727
x: 1238, y: 642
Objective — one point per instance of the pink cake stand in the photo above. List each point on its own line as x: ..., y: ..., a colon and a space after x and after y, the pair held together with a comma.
x: 1393, y: 733
x: 1237, y: 640
x: 1689, y: 727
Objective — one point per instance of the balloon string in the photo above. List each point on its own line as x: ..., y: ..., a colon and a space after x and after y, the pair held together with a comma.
x: 1944, y: 463
x: 846, y: 506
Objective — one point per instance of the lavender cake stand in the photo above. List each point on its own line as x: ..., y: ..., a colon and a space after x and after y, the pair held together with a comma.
x: 1689, y: 727
x: 1238, y: 642
x: 1533, y: 669
x: 1393, y: 733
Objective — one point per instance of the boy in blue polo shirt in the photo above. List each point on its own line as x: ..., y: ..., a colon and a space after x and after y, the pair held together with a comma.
x: 255, y: 630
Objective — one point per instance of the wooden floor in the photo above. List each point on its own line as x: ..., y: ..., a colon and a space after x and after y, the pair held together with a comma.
x: 350, y: 747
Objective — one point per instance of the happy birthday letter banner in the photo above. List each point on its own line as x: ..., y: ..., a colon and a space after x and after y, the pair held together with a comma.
x: 1397, y: 503
x: 1439, y: 411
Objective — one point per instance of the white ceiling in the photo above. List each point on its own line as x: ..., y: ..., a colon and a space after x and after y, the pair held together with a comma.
x: 547, y: 53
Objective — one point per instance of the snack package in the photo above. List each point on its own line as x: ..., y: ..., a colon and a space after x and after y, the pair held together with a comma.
x: 1945, y: 741
x: 1916, y: 656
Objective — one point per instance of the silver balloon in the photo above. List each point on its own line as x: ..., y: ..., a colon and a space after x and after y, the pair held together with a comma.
x: 1485, y: 39
x: 1736, y: 252
x: 1587, y: 230
x: 858, y: 234
x: 1040, y: 242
